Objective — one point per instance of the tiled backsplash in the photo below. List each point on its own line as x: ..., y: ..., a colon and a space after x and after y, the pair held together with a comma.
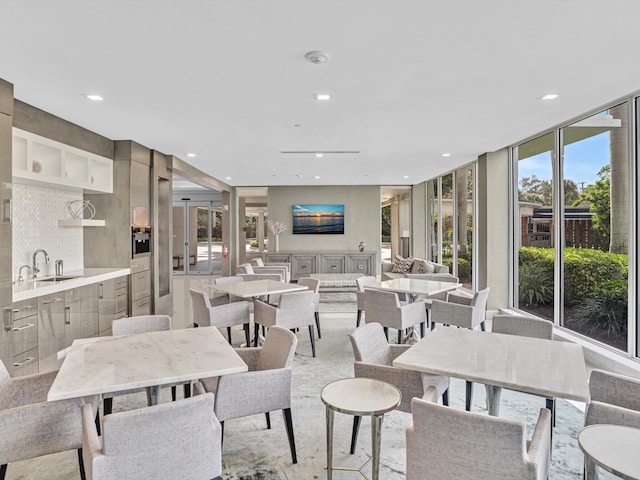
x: 36, y: 211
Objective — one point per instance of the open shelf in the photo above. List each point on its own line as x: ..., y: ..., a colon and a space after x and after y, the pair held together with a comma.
x: 80, y: 222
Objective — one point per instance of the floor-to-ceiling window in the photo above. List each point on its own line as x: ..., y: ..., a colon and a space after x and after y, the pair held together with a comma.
x: 450, y: 210
x: 534, y: 237
x: 573, y: 226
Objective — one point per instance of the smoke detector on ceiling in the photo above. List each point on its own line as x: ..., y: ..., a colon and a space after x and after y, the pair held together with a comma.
x: 316, y: 57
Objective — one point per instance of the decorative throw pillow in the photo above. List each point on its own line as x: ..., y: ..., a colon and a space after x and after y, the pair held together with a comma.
x: 401, y: 265
x: 422, y: 266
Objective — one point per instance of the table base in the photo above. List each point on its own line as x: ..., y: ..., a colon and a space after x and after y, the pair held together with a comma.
x: 376, y: 430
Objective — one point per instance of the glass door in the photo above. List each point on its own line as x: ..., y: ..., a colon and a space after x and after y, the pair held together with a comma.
x: 197, y: 238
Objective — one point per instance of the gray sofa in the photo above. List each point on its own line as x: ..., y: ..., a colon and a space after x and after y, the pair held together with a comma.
x: 439, y: 271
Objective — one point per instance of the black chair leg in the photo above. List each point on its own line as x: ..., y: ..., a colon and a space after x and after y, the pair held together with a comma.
x: 313, y: 341
x: 469, y: 396
x: 386, y: 332
x: 107, y: 406
x: 422, y: 329
x: 97, y: 420
x: 318, y: 325
x: 551, y: 405
x: 221, y: 434
x: 354, y: 433
x: 292, y: 441
x: 187, y: 390
x: 433, y: 325
x: 399, y: 336
x: 358, y: 319
x: 229, y: 334
x: 247, y: 334
x: 268, y: 416
x: 256, y: 328
x: 445, y: 398
x: 482, y: 326
x: 83, y: 475
x: 3, y: 471
x: 174, y: 393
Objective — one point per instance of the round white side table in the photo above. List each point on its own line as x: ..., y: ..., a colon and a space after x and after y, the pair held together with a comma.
x: 612, y: 447
x: 361, y: 397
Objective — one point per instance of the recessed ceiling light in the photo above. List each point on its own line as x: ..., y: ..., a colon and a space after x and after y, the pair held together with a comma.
x: 446, y: 154
x: 317, y: 177
x: 297, y: 125
x: 316, y: 57
x: 405, y: 176
x: 191, y: 155
x: 322, y: 97
x: 299, y: 176
x: 319, y: 155
x: 227, y: 178
x: 94, y: 98
x: 549, y: 96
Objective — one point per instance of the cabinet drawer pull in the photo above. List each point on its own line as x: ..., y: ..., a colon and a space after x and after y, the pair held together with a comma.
x: 333, y: 267
x: 101, y: 291
x: 24, y: 362
x: 121, y: 295
x: 8, y: 319
x: 23, y: 327
x: 67, y: 315
x: 49, y: 302
x: 303, y: 267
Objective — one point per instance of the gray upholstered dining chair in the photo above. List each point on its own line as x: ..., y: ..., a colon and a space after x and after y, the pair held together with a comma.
x: 362, y: 282
x: 265, y: 387
x: 526, y: 327
x: 140, y: 324
x: 373, y: 359
x: 465, y: 312
x: 30, y: 426
x: 294, y: 310
x: 220, y: 298
x: 615, y: 399
x: 385, y: 308
x: 259, y: 265
x: 313, y: 285
x: 248, y: 273
x: 227, y: 315
x: 181, y: 439
x: 445, y: 443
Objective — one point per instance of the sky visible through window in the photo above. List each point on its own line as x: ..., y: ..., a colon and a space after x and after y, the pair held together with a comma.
x: 583, y: 161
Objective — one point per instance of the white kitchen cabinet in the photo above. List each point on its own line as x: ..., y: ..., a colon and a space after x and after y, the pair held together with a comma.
x: 37, y: 159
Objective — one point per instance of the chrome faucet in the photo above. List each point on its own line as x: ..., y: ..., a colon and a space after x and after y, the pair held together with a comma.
x: 20, y: 277
x: 34, y: 269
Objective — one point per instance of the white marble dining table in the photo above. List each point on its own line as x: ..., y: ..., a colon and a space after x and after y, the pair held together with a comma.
x: 532, y: 365
x: 111, y: 364
x: 257, y: 288
x: 415, y: 286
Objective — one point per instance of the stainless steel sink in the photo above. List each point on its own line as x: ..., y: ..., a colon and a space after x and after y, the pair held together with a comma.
x: 61, y: 278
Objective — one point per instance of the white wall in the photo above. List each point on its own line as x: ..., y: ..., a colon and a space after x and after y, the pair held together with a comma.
x: 361, y: 216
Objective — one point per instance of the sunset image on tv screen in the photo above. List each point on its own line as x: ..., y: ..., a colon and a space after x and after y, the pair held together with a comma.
x: 318, y: 219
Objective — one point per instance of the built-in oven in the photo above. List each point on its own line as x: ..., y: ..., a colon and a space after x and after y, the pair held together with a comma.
x: 140, y: 241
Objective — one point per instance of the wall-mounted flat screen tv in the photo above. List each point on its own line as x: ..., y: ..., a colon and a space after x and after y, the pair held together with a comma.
x: 318, y: 219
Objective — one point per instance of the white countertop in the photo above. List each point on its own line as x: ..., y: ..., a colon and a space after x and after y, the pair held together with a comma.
x: 33, y: 289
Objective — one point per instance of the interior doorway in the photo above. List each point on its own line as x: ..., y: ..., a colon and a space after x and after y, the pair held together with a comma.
x: 197, y: 233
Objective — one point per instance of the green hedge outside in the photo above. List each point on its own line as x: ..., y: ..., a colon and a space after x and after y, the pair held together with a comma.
x: 584, y: 271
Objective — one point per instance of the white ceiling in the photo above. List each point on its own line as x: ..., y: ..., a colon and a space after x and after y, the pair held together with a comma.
x: 410, y: 80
